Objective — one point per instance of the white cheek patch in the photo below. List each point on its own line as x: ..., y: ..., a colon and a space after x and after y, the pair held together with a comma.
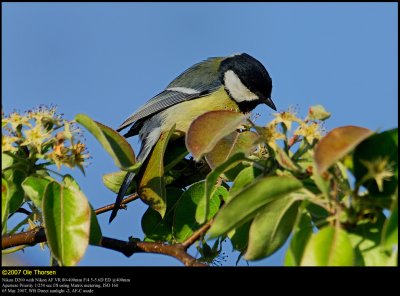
x: 237, y: 89
x: 185, y: 90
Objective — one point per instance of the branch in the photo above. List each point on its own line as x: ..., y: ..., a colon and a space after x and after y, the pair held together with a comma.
x: 196, y: 235
x: 177, y: 251
x: 110, y: 207
x: 37, y: 235
x: 30, y: 237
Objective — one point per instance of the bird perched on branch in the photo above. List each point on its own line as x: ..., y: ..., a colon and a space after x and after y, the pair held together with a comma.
x: 238, y: 82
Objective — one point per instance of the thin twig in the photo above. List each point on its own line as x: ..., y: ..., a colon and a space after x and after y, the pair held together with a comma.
x: 109, y: 207
x: 196, y: 235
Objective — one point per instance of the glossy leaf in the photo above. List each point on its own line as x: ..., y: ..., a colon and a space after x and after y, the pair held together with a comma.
x: 211, y: 180
x: 376, y: 149
x: 4, y: 204
x: 115, y: 144
x: 209, y: 128
x: 366, y: 241
x: 394, y: 258
x: 34, y: 187
x: 157, y: 228
x: 246, y: 203
x: 151, y: 188
x: 394, y: 133
x: 14, y: 179
x: 184, y: 219
x: 329, y: 247
x: 205, y: 209
x: 67, y: 216
x: 271, y: 227
x: 319, y: 215
x: 6, y: 161
x: 337, y: 143
x: 231, y: 144
x: 113, y: 181
x: 239, y: 236
x: 175, y: 152
x: 390, y: 233
x: 243, y: 179
x: 299, y: 240
x: 95, y: 234
x: 69, y: 181
x: 95, y: 231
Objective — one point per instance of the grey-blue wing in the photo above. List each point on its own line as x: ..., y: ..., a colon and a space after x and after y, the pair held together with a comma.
x: 160, y: 102
x: 199, y: 80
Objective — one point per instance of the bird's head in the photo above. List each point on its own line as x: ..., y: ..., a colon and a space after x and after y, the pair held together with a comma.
x: 247, y: 81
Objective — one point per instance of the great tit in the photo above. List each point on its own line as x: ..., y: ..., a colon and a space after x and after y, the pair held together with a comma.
x: 238, y: 82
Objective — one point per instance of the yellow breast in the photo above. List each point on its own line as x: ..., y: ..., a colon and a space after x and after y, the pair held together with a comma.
x: 184, y: 113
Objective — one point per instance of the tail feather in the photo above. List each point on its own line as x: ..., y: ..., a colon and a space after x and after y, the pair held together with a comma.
x: 121, y: 193
x: 148, y: 143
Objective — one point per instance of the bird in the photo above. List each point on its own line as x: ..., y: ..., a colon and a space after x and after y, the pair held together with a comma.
x: 237, y: 82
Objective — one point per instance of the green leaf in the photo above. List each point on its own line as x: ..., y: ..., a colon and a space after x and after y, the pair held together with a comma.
x: 115, y: 144
x: 329, y: 247
x: 211, y: 180
x: 66, y: 213
x: 151, y: 188
x: 231, y: 173
x: 175, y: 152
x: 318, y: 214
x: 113, y: 181
x: 271, y: 227
x: 34, y: 187
x: 318, y: 112
x: 394, y: 259
x: 154, y: 226
x: 284, y: 160
x: 366, y: 241
x: 390, y: 233
x: 376, y: 149
x: 299, y: 240
x: 246, y: 203
x: 95, y: 231
x: 243, y: 179
x: 322, y: 182
x: 6, y: 161
x: 95, y: 234
x: 231, y: 144
x: 205, y: 209
x: 337, y: 143
x: 184, y: 219
x: 209, y: 128
x: 239, y: 236
x: 69, y: 181
x: 394, y: 133
x: 14, y: 178
x: 4, y: 204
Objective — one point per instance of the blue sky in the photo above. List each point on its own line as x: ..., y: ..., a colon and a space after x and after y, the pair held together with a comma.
x: 107, y: 59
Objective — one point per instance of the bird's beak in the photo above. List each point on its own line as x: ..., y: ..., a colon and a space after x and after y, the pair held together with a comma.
x: 270, y: 104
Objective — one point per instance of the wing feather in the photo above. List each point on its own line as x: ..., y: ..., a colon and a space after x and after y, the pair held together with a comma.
x: 197, y: 81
